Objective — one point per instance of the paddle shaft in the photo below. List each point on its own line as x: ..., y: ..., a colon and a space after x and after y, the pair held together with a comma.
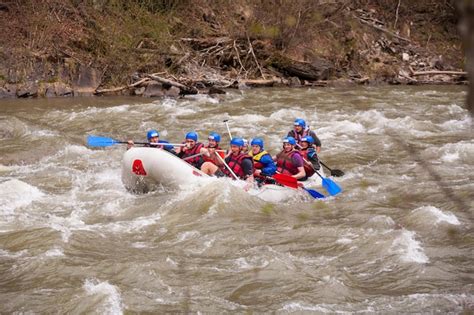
x: 227, y: 166
x: 228, y: 129
x: 153, y: 143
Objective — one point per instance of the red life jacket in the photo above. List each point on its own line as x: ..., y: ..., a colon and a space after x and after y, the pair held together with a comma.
x: 285, y: 164
x: 213, y: 159
x: 197, y: 160
x: 235, y: 164
x: 308, y: 168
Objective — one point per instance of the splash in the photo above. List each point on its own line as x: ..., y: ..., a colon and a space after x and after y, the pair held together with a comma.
x: 110, y: 294
x: 437, y: 215
x: 15, y: 194
x: 409, y: 248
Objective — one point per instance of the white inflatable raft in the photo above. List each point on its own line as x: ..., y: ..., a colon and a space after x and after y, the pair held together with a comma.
x: 144, y: 168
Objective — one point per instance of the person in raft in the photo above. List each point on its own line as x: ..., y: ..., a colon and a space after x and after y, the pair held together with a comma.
x: 310, y: 157
x: 246, y: 147
x: 289, y: 161
x: 191, y: 151
x: 236, y: 163
x: 301, y: 130
x: 263, y: 163
x: 154, y: 141
x: 209, y: 154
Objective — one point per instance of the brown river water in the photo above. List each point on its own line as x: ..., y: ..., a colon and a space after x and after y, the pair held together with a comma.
x: 398, y: 239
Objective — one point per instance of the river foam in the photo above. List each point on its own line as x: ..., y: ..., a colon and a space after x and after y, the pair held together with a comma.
x: 15, y: 194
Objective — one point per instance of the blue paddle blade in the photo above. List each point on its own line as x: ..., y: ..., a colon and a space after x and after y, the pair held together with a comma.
x: 314, y: 193
x: 94, y: 141
x: 331, y: 187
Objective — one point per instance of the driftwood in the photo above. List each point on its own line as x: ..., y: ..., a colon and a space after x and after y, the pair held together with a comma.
x: 260, y: 83
x: 121, y: 88
x: 434, y: 72
x: 184, y: 90
x: 383, y: 30
x: 255, y: 58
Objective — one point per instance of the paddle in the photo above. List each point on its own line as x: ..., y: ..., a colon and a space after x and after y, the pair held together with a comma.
x: 228, y: 129
x: 331, y: 187
x: 292, y: 182
x: 94, y: 141
x: 227, y: 166
x: 334, y: 172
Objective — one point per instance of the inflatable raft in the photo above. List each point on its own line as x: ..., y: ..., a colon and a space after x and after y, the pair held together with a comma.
x: 144, y: 168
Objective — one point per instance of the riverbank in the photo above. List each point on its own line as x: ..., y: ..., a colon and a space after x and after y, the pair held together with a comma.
x: 167, y: 49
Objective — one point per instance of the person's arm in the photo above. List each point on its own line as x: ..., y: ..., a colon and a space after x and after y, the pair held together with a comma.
x: 317, y: 142
x: 269, y: 166
x: 247, y: 166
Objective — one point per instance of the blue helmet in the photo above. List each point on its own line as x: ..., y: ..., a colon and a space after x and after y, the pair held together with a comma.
x: 237, y: 141
x: 308, y: 139
x: 214, y: 136
x: 289, y: 140
x: 300, y: 122
x: 257, y: 141
x: 152, y: 133
x: 192, y: 135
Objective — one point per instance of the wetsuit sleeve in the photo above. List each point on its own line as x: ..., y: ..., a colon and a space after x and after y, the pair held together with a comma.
x: 317, y: 142
x: 313, y: 158
x: 247, y: 166
x: 269, y: 166
x: 291, y: 133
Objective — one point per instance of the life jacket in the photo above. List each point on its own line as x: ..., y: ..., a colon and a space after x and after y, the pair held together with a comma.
x: 256, y: 159
x: 195, y: 161
x: 285, y: 164
x: 308, y: 168
x: 235, y: 164
x: 298, y: 136
x: 257, y: 165
x: 213, y: 159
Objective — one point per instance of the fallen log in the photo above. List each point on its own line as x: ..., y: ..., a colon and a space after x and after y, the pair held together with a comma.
x: 434, y: 72
x: 383, y: 30
x: 184, y: 90
x: 121, y: 88
x: 260, y: 83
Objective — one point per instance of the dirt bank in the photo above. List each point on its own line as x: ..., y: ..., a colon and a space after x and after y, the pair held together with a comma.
x: 157, y: 48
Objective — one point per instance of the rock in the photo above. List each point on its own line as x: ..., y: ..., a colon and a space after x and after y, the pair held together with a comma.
x: 214, y: 90
x: 153, y: 89
x: 86, y: 82
x: 139, y: 91
x: 62, y: 89
x: 405, y: 57
x: 318, y: 69
x: 58, y: 89
x: 49, y: 90
x: 8, y: 91
x: 172, y: 92
x: 294, y: 81
x: 30, y: 89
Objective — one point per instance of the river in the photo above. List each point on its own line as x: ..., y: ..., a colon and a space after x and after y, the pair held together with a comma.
x: 398, y: 239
